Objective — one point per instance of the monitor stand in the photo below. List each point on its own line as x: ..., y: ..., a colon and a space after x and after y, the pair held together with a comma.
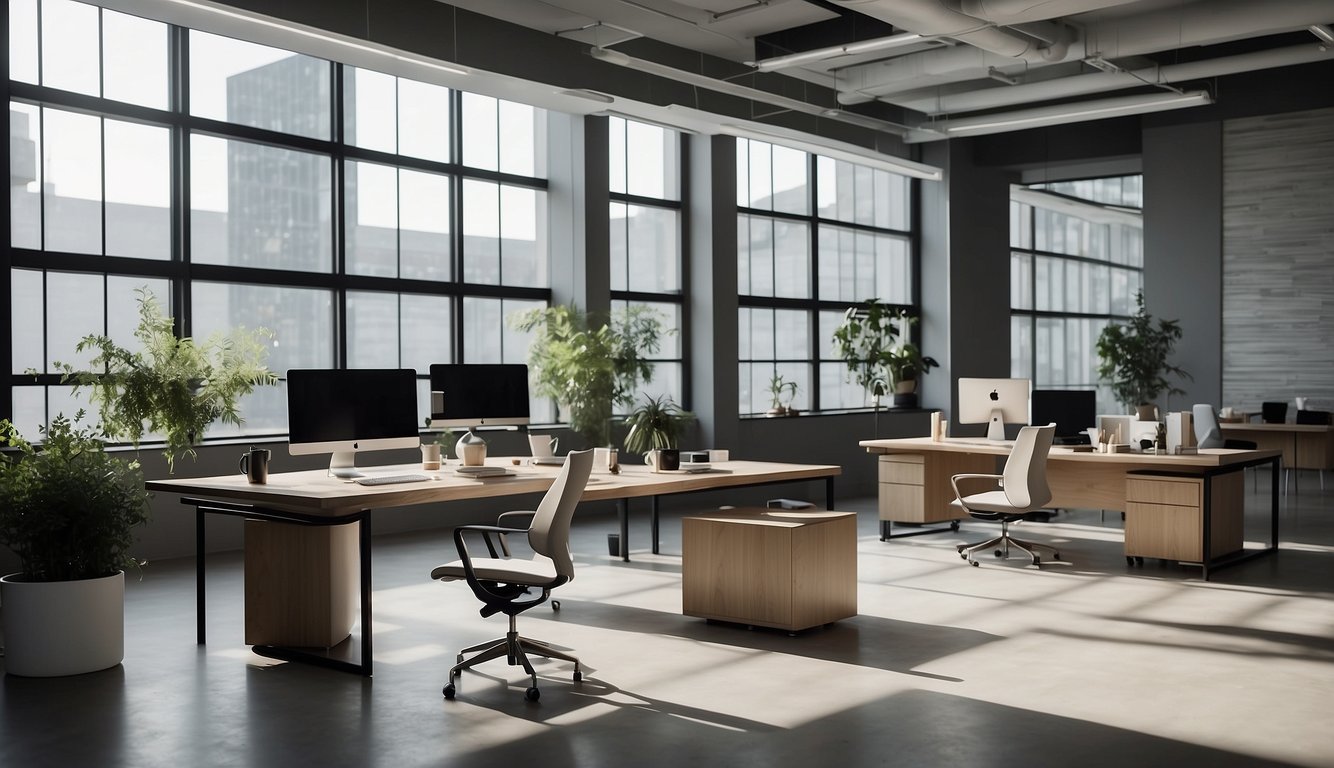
x: 344, y: 464
x: 996, y: 425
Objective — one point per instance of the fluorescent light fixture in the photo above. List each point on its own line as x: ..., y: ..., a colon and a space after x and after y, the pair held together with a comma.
x: 590, y: 95
x: 996, y: 74
x: 833, y: 51
x: 646, y: 121
x: 323, y: 37
x: 1323, y: 32
x: 1058, y: 114
x: 1103, y: 65
x: 1095, y: 212
x: 836, y: 150
x: 740, y: 91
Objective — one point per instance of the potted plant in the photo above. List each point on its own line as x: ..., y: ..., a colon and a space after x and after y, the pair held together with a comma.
x: 173, y: 386
x: 781, y: 393
x: 68, y: 511
x: 872, y: 341
x: 1133, y: 357
x: 656, y: 425
x: 588, y: 364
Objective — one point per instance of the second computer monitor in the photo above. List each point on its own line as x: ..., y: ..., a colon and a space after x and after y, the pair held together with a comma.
x: 479, y: 395
x: 1072, y: 410
x: 994, y: 402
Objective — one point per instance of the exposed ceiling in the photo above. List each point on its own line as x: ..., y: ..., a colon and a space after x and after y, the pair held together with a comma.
x: 961, y: 67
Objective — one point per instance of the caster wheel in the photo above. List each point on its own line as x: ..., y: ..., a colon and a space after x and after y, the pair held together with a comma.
x: 998, y: 553
x: 555, y: 605
x: 1056, y: 557
x: 954, y: 526
x: 1037, y: 561
x: 578, y: 675
x: 532, y: 694
x: 962, y: 556
x: 974, y: 563
x: 1130, y: 561
x: 449, y: 691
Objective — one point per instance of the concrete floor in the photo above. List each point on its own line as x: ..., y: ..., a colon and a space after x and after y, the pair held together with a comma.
x: 1087, y: 662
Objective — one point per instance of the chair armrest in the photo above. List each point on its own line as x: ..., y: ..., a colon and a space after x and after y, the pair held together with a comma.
x: 504, y: 519
x: 972, y: 479
x: 462, y: 545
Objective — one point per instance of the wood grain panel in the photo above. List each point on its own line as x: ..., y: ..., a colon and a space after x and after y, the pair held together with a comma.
x: 901, y: 468
x: 1227, y: 502
x: 1278, y: 258
x: 1182, y: 492
x: 301, y: 583
x: 1163, y: 530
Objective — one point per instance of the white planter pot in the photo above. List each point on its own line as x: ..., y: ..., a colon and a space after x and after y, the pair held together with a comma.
x: 63, y: 627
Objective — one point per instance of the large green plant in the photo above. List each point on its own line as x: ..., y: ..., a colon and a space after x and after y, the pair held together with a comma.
x: 173, y: 385
x: 873, y: 341
x: 67, y: 508
x: 1134, y: 357
x: 587, y: 363
x: 655, y: 423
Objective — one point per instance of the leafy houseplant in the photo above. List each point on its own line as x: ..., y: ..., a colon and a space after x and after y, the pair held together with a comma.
x: 655, y: 424
x: 173, y: 385
x: 872, y: 340
x: 589, y: 364
x: 68, y: 510
x: 778, y: 388
x: 1133, y: 357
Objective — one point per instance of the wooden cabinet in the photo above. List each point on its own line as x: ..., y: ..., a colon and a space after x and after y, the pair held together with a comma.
x: 1165, y: 516
x: 790, y: 570
x: 915, y: 487
x: 301, y: 583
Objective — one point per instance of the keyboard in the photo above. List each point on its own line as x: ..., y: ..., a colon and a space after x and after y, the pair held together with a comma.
x: 391, y: 479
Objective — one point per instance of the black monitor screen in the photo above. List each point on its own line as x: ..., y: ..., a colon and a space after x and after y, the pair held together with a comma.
x: 476, y: 395
x: 1073, y: 410
x: 351, y: 405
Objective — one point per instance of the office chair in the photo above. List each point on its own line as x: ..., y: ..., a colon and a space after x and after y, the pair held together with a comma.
x: 513, y: 585
x: 1273, y: 413
x: 1207, y: 432
x: 1321, y: 418
x: 1021, y: 488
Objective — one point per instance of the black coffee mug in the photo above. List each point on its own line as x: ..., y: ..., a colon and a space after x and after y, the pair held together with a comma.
x: 669, y: 459
x: 254, y: 464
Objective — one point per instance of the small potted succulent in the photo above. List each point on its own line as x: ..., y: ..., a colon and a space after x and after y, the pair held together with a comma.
x: 654, y: 427
x: 781, y: 392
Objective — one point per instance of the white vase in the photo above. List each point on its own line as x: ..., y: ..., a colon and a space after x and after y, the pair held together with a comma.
x: 55, y: 628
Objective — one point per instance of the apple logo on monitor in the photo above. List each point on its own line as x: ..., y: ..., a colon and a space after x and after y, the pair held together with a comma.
x: 994, y: 396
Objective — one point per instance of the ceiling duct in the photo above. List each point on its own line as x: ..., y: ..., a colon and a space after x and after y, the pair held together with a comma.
x: 929, y: 17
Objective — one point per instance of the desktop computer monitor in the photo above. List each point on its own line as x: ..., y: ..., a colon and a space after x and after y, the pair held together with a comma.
x: 348, y: 410
x: 475, y: 395
x: 1073, y: 411
x: 994, y: 402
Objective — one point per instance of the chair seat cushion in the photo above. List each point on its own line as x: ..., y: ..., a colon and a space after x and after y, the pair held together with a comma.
x: 989, y: 505
x: 538, y: 571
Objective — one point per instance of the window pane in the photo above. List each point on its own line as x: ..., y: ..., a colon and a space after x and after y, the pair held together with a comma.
x: 134, y: 60
x: 70, y: 46
x: 255, y: 85
x: 138, y: 189
x: 27, y: 301
x: 25, y: 182
x: 488, y: 338
x: 522, y: 134
x: 372, y: 330
x: 424, y: 240
x: 259, y: 206
x: 1021, y: 348
x: 74, y: 309
x: 426, y: 331
x: 23, y: 40
x: 650, y: 161
x: 73, y: 185
x: 792, y: 259
x: 645, y: 254
x: 423, y: 120
x: 523, y: 233
x: 480, y: 130
x: 790, y: 184
x: 481, y: 232
x: 301, y: 320
x: 857, y: 265
x: 123, y: 306
x: 616, y: 156
x: 369, y: 106
x: 371, y: 207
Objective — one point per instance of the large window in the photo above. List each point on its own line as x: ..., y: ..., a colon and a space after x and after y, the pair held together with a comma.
x: 367, y: 220
x: 644, y: 172
x: 814, y: 236
x: 1077, y: 261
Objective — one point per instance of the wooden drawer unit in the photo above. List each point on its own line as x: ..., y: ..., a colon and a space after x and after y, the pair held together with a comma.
x: 915, y: 488
x: 1165, y: 516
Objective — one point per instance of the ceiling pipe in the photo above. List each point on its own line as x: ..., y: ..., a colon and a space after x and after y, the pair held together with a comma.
x: 1102, y: 82
x: 1012, y: 12
x: 1056, y: 114
x: 930, y: 17
x: 834, y: 51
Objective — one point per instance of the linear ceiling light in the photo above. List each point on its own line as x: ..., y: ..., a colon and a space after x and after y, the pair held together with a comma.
x: 741, y: 91
x: 323, y: 37
x: 1323, y: 32
x: 1097, y: 212
x: 837, y: 150
x: 1058, y: 115
x: 833, y: 51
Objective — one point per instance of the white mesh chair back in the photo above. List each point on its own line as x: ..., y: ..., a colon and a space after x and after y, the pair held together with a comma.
x: 1025, y: 473
x: 549, y: 533
x: 1207, y: 433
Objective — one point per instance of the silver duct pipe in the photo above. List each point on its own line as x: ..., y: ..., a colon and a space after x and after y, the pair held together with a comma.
x: 931, y: 17
x: 1101, y: 82
x: 1009, y: 13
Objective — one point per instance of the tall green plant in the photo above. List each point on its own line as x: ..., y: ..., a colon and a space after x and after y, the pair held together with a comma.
x: 1134, y: 357
x: 67, y: 507
x: 655, y: 424
x: 172, y: 385
x: 588, y: 364
x: 873, y: 340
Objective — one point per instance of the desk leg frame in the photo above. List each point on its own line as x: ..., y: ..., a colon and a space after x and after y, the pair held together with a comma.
x: 887, y: 530
x: 284, y: 653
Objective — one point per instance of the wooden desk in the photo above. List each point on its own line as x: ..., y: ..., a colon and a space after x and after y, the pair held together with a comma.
x: 915, y: 487
x: 1304, y: 446
x: 316, y: 501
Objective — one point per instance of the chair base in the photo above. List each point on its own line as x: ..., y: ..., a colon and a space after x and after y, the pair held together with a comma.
x: 1003, y: 542
x: 516, y: 649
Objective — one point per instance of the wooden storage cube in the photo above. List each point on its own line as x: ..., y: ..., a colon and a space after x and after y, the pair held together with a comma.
x: 301, y: 583
x: 1165, y: 516
x: 789, y: 570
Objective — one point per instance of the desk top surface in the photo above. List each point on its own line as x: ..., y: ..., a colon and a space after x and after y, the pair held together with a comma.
x: 1207, y: 457
x: 314, y: 492
x: 1260, y: 426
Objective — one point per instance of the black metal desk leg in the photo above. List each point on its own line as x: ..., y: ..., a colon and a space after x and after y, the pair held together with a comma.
x: 366, y: 633
x: 829, y: 493
x: 199, y: 576
x: 623, y: 511
x: 1273, y: 502
x: 655, y: 524
x: 1207, y: 547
